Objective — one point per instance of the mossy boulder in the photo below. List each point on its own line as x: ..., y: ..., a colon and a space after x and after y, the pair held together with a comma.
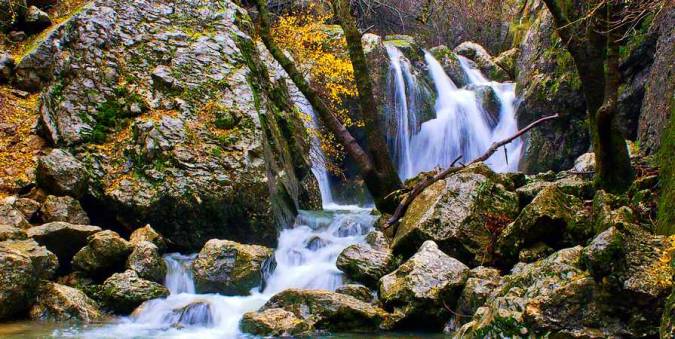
x: 365, y: 264
x: 480, y: 285
x: 552, y: 218
x: 62, y: 303
x: 147, y: 233
x: 64, y: 209
x: 421, y: 287
x: 448, y: 59
x: 62, y: 238
x: 325, y: 310
x: 489, y: 102
x: 59, y: 172
x: 228, y: 267
x: 357, y: 291
x: 123, y: 292
x: 44, y: 262
x: 483, y: 60
x: 147, y: 262
x: 454, y: 213
x: 104, y: 253
x: 274, y: 322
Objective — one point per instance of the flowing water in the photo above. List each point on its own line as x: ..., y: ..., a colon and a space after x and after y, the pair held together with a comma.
x: 461, y: 126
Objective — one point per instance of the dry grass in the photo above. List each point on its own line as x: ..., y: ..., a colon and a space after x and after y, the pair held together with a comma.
x: 18, y: 145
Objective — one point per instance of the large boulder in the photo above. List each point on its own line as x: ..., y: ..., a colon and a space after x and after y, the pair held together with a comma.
x: 62, y: 303
x: 147, y: 233
x: 421, y: 288
x: 64, y: 209
x: 273, y: 322
x: 12, y: 217
x: 105, y: 252
x: 454, y: 213
x: 324, y: 310
x: 365, y: 264
x: 228, y: 267
x: 553, y: 218
x: 483, y: 282
x: 171, y: 126
x: 61, y: 173
x: 62, y: 239
x: 44, y: 262
x: 147, y: 262
x: 123, y: 292
x: 548, y: 83
x: 357, y: 291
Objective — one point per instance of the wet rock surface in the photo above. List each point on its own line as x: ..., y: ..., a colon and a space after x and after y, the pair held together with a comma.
x: 123, y: 292
x: 62, y: 303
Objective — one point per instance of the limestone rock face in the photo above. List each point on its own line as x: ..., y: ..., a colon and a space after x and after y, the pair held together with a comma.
x: 548, y: 85
x: 453, y: 213
x: 123, y: 292
x: 228, y: 267
x: 324, y: 310
x: 167, y: 127
x: 552, y: 218
x: 147, y: 262
x: 62, y: 303
x: 419, y: 288
x: 64, y: 209
x: 365, y: 264
x: 105, y: 251
x: 63, y: 239
x: 273, y: 322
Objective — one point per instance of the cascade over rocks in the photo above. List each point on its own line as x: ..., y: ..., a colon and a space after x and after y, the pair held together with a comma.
x: 123, y: 292
x: 62, y: 303
x: 228, y: 267
x: 421, y: 287
x: 451, y: 65
x: 166, y: 127
x: 483, y: 60
x: 453, y: 213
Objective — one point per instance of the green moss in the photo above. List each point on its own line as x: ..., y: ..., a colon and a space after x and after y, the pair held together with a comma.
x: 666, y: 211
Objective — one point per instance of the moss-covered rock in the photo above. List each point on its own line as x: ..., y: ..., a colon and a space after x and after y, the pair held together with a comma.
x: 483, y: 60
x: 62, y: 303
x: 11, y: 233
x: 482, y: 283
x: 462, y: 214
x: 18, y: 283
x: 274, y: 322
x: 123, y: 292
x: 44, y: 262
x: 64, y: 209
x: 421, y: 287
x: 104, y: 253
x: 552, y: 218
x: 365, y: 264
x: 448, y: 59
x: 357, y: 291
x: 147, y: 262
x: 12, y: 217
x: 335, y: 312
x: 228, y: 267
x: 147, y: 233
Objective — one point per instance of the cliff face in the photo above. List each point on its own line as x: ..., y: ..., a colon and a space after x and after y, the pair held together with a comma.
x: 172, y: 119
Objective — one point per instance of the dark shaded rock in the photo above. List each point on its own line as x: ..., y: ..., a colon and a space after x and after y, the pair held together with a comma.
x: 228, y: 267
x: 104, y: 253
x: 35, y: 20
x: 364, y: 264
x: 489, y: 103
x: 6, y: 67
x: 61, y: 173
x: 123, y: 292
x: 421, y: 287
x: 147, y: 262
x: 273, y: 322
x: 357, y: 291
x: 64, y: 209
x: 63, y: 239
x: 62, y: 303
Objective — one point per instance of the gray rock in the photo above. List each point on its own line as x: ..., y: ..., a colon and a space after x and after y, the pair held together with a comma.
x: 11, y: 233
x: 64, y: 209
x: 483, y: 60
x: 364, y: 264
x: 6, y: 67
x: 123, y: 292
x: 27, y: 206
x: 228, y: 267
x: 62, y: 303
x: 483, y: 282
x: 147, y: 262
x: 61, y: 173
x: 18, y: 282
x: 450, y: 62
x: 421, y: 287
x: 105, y: 251
x: 12, y: 217
x: 147, y: 233
x: 63, y: 239
x: 273, y: 322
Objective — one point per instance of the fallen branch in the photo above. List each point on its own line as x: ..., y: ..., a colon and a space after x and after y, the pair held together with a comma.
x: 422, y: 185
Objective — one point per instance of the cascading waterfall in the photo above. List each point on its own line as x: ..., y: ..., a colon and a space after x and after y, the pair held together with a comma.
x: 461, y: 125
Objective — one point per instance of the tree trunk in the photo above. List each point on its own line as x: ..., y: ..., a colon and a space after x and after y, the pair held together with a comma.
x: 376, y: 168
x: 592, y: 51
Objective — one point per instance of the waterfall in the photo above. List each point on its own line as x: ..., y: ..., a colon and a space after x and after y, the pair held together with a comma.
x: 461, y: 126
x: 400, y: 125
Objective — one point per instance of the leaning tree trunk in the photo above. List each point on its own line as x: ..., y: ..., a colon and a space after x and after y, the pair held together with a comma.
x: 375, y: 165
x: 593, y: 49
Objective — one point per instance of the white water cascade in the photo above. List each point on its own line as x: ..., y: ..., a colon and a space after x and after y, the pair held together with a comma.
x: 460, y: 127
